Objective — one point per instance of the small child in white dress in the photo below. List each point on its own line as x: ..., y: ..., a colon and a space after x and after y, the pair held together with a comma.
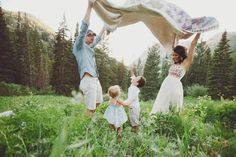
x: 115, y: 113
x: 133, y: 100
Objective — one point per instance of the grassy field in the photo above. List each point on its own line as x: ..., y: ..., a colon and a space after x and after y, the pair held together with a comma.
x: 54, y: 126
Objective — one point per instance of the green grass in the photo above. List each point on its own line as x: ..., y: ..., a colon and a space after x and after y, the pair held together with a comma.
x: 54, y: 126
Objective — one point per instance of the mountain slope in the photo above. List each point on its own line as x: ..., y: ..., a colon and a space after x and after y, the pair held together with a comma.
x: 212, y: 42
x: 46, y: 33
x: 11, y: 19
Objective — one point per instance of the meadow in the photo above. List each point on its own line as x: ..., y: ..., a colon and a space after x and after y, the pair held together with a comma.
x: 55, y: 126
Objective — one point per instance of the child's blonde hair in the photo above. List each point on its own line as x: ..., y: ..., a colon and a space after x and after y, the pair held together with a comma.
x: 114, y: 91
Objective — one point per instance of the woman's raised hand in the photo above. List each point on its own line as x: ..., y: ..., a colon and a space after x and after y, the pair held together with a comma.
x: 91, y: 2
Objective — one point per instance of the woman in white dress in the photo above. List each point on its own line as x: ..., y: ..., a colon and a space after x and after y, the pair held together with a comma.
x: 171, y: 91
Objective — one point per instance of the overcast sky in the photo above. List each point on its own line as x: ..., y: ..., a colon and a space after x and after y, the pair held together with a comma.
x: 129, y: 42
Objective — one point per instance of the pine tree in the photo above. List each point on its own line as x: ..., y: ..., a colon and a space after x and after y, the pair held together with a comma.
x: 164, y: 69
x: 60, y: 58
x: 122, y: 76
x: 33, y: 51
x: 103, y: 65
x: 151, y: 73
x: 36, y: 49
x: 28, y: 61
x: 64, y: 72
x: 6, y: 52
x: 205, y: 65
x: 17, y: 50
x: 233, y: 80
x: 42, y: 77
x: 39, y: 61
x: 111, y: 72
x: 71, y: 71
x: 139, y: 67
x: 22, y: 52
x: 198, y: 71
x: 113, y: 76
x: 220, y: 68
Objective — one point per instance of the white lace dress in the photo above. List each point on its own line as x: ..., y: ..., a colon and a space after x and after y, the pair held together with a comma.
x: 171, y: 91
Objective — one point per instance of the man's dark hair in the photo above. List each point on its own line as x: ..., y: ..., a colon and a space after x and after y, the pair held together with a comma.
x: 141, y: 82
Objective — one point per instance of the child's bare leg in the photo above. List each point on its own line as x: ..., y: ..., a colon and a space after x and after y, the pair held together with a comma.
x: 119, y: 133
x: 135, y: 128
x: 97, y: 104
x: 89, y: 113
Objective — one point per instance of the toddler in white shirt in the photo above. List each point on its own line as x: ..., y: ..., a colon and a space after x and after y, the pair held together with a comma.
x: 133, y: 100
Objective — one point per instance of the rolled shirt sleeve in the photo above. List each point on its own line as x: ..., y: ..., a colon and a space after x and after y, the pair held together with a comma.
x: 80, y: 38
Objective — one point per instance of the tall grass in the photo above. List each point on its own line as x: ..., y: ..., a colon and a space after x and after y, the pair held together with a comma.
x: 54, y: 126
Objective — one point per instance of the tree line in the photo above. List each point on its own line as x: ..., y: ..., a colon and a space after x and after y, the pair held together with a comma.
x: 32, y: 58
x: 216, y: 71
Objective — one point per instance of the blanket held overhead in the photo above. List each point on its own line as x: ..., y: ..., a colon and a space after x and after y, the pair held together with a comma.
x: 165, y: 20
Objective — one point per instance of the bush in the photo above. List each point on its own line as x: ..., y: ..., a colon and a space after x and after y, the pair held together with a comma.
x: 196, y: 90
x: 35, y: 124
x: 10, y: 89
x: 170, y: 125
x: 230, y: 147
x: 48, y: 91
x: 225, y: 114
x: 44, y: 125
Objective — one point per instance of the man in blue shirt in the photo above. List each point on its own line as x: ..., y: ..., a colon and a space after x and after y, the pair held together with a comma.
x: 85, y: 56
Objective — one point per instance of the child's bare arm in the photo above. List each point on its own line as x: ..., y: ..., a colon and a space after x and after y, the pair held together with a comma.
x: 123, y: 103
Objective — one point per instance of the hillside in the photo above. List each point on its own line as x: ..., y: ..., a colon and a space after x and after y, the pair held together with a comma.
x: 46, y: 33
x: 11, y: 19
x: 212, y: 42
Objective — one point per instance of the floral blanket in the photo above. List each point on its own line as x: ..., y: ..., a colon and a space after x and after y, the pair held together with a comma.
x: 164, y: 19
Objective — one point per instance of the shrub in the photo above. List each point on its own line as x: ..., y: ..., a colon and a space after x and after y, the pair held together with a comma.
x: 10, y: 89
x: 170, y: 125
x: 225, y: 114
x: 44, y: 125
x: 229, y: 147
x: 34, y: 124
x: 48, y: 91
x: 196, y: 90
